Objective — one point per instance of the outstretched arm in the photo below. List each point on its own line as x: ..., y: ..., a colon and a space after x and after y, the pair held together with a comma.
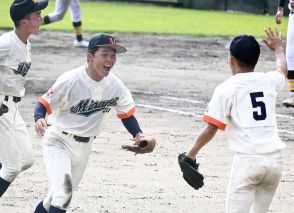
x: 205, y: 136
x: 274, y: 42
x: 132, y: 125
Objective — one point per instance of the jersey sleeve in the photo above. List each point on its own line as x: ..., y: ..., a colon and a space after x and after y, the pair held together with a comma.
x: 125, y: 106
x: 218, y: 109
x: 4, y: 50
x: 277, y: 79
x: 56, y: 96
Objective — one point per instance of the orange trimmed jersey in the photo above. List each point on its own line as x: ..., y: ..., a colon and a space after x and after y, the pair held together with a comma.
x: 79, y: 105
x: 244, y: 106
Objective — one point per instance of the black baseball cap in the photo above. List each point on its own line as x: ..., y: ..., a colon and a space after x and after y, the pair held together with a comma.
x: 246, y: 49
x: 105, y: 40
x: 21, y: 8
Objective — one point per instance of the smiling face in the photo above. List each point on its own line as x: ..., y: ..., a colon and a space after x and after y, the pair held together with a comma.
x: 31, y: 23
x: 100, y: 62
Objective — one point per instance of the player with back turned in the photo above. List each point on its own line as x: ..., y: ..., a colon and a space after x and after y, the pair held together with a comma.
x: 244, y: 106
x: 80, y: 102
x: 16, y: 151
x: 289, y: 102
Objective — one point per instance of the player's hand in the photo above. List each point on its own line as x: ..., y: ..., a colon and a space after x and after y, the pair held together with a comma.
x: 273, y: 39
x: 279, y: 15
x: 40, y: 126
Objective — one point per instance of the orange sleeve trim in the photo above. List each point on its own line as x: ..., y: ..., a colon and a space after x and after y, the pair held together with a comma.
x: 128, y: 114
x: 46, y: 105
x: 211, y: 120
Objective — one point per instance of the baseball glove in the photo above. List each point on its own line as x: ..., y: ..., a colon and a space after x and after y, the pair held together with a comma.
x: 3, y: 109
x: 143, y: 144
x: 189, y: 168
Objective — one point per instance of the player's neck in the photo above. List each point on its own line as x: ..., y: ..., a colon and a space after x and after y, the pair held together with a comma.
x: 238, y: 70
x: 22, y: 34
x: 93, y: 75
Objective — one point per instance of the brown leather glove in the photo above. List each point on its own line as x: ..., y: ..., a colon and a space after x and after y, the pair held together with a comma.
x: 143, y: 144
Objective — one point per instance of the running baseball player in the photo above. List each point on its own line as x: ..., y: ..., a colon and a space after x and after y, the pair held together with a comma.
x: 79, y: 103
x: 244, y: 106
x: 289, y: 102
x: 61, y: 7
x: 15, y: 61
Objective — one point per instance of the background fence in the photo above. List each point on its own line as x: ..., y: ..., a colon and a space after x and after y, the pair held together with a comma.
x: 249, y: 6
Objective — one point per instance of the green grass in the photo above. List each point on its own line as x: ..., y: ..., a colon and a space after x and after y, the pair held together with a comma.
x: 140, y: 18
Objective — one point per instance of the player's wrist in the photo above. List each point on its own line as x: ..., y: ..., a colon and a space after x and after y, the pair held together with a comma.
x: 139, y: 135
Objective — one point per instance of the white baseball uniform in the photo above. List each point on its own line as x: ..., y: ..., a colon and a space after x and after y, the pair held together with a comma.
x: 79, y: 107
x: 16, y: 152
x: 290, y: 39
x: 61, y: 8
x: 244, y: 106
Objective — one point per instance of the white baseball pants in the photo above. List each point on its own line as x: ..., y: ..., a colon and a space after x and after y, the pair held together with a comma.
x: 290, y: 43
x: 253, y: 182
x: 16, y: 151
x: 61, y: 7
x: 66, y: 161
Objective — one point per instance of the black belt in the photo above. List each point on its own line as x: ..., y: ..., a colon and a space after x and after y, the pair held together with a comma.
x: 79, y: 138
x: 14, y: 98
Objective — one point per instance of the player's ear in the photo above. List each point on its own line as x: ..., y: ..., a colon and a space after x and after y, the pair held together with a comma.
x: 22, y: 22
x: 229, y: 59
x: 89, y: 57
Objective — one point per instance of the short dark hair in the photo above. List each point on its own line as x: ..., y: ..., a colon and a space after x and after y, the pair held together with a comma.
x: 27, y: 17
x: 246, y: 49
x: 242, y: 64
x: 93, y: 51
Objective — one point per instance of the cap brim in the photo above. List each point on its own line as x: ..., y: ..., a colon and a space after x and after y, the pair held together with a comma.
x: 41, y: 5
x: 117, y: 48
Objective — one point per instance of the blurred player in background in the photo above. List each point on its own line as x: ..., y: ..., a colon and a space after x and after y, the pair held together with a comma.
x: 289, y: 102
x: 61, y: 7
x: 16, y: 150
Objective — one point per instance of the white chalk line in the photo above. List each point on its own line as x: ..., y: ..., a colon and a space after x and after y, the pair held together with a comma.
x: 169, y: 110
x: 182, y: 100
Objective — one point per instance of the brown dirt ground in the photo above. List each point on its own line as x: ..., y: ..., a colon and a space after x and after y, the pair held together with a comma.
x: 162, y: 71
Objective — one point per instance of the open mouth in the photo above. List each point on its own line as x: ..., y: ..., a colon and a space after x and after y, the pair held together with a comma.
x: 107, y: 68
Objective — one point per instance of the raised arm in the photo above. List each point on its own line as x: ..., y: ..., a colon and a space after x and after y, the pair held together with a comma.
x: 274, y: 42
x: 280, y: 11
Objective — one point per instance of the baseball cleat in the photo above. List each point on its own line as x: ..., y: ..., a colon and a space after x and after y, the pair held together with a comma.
x: 81, y: 43
x: 289, y: 102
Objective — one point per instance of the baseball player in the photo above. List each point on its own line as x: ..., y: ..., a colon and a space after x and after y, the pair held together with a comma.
x: 61, y: 7
x: 79, y: 103
x: 15, y: 61
x: 244, y: 106
x: 289, y: 102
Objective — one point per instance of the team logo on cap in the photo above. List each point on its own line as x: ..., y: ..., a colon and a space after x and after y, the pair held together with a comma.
x: 112, y: 41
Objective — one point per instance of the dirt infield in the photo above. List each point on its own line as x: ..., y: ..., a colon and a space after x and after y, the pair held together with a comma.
x: 172, y: 78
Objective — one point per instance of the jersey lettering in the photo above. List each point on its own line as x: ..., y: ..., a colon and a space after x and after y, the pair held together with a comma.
x: 261, y: 113
x: 88, y: 106
x: 23, y: 68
